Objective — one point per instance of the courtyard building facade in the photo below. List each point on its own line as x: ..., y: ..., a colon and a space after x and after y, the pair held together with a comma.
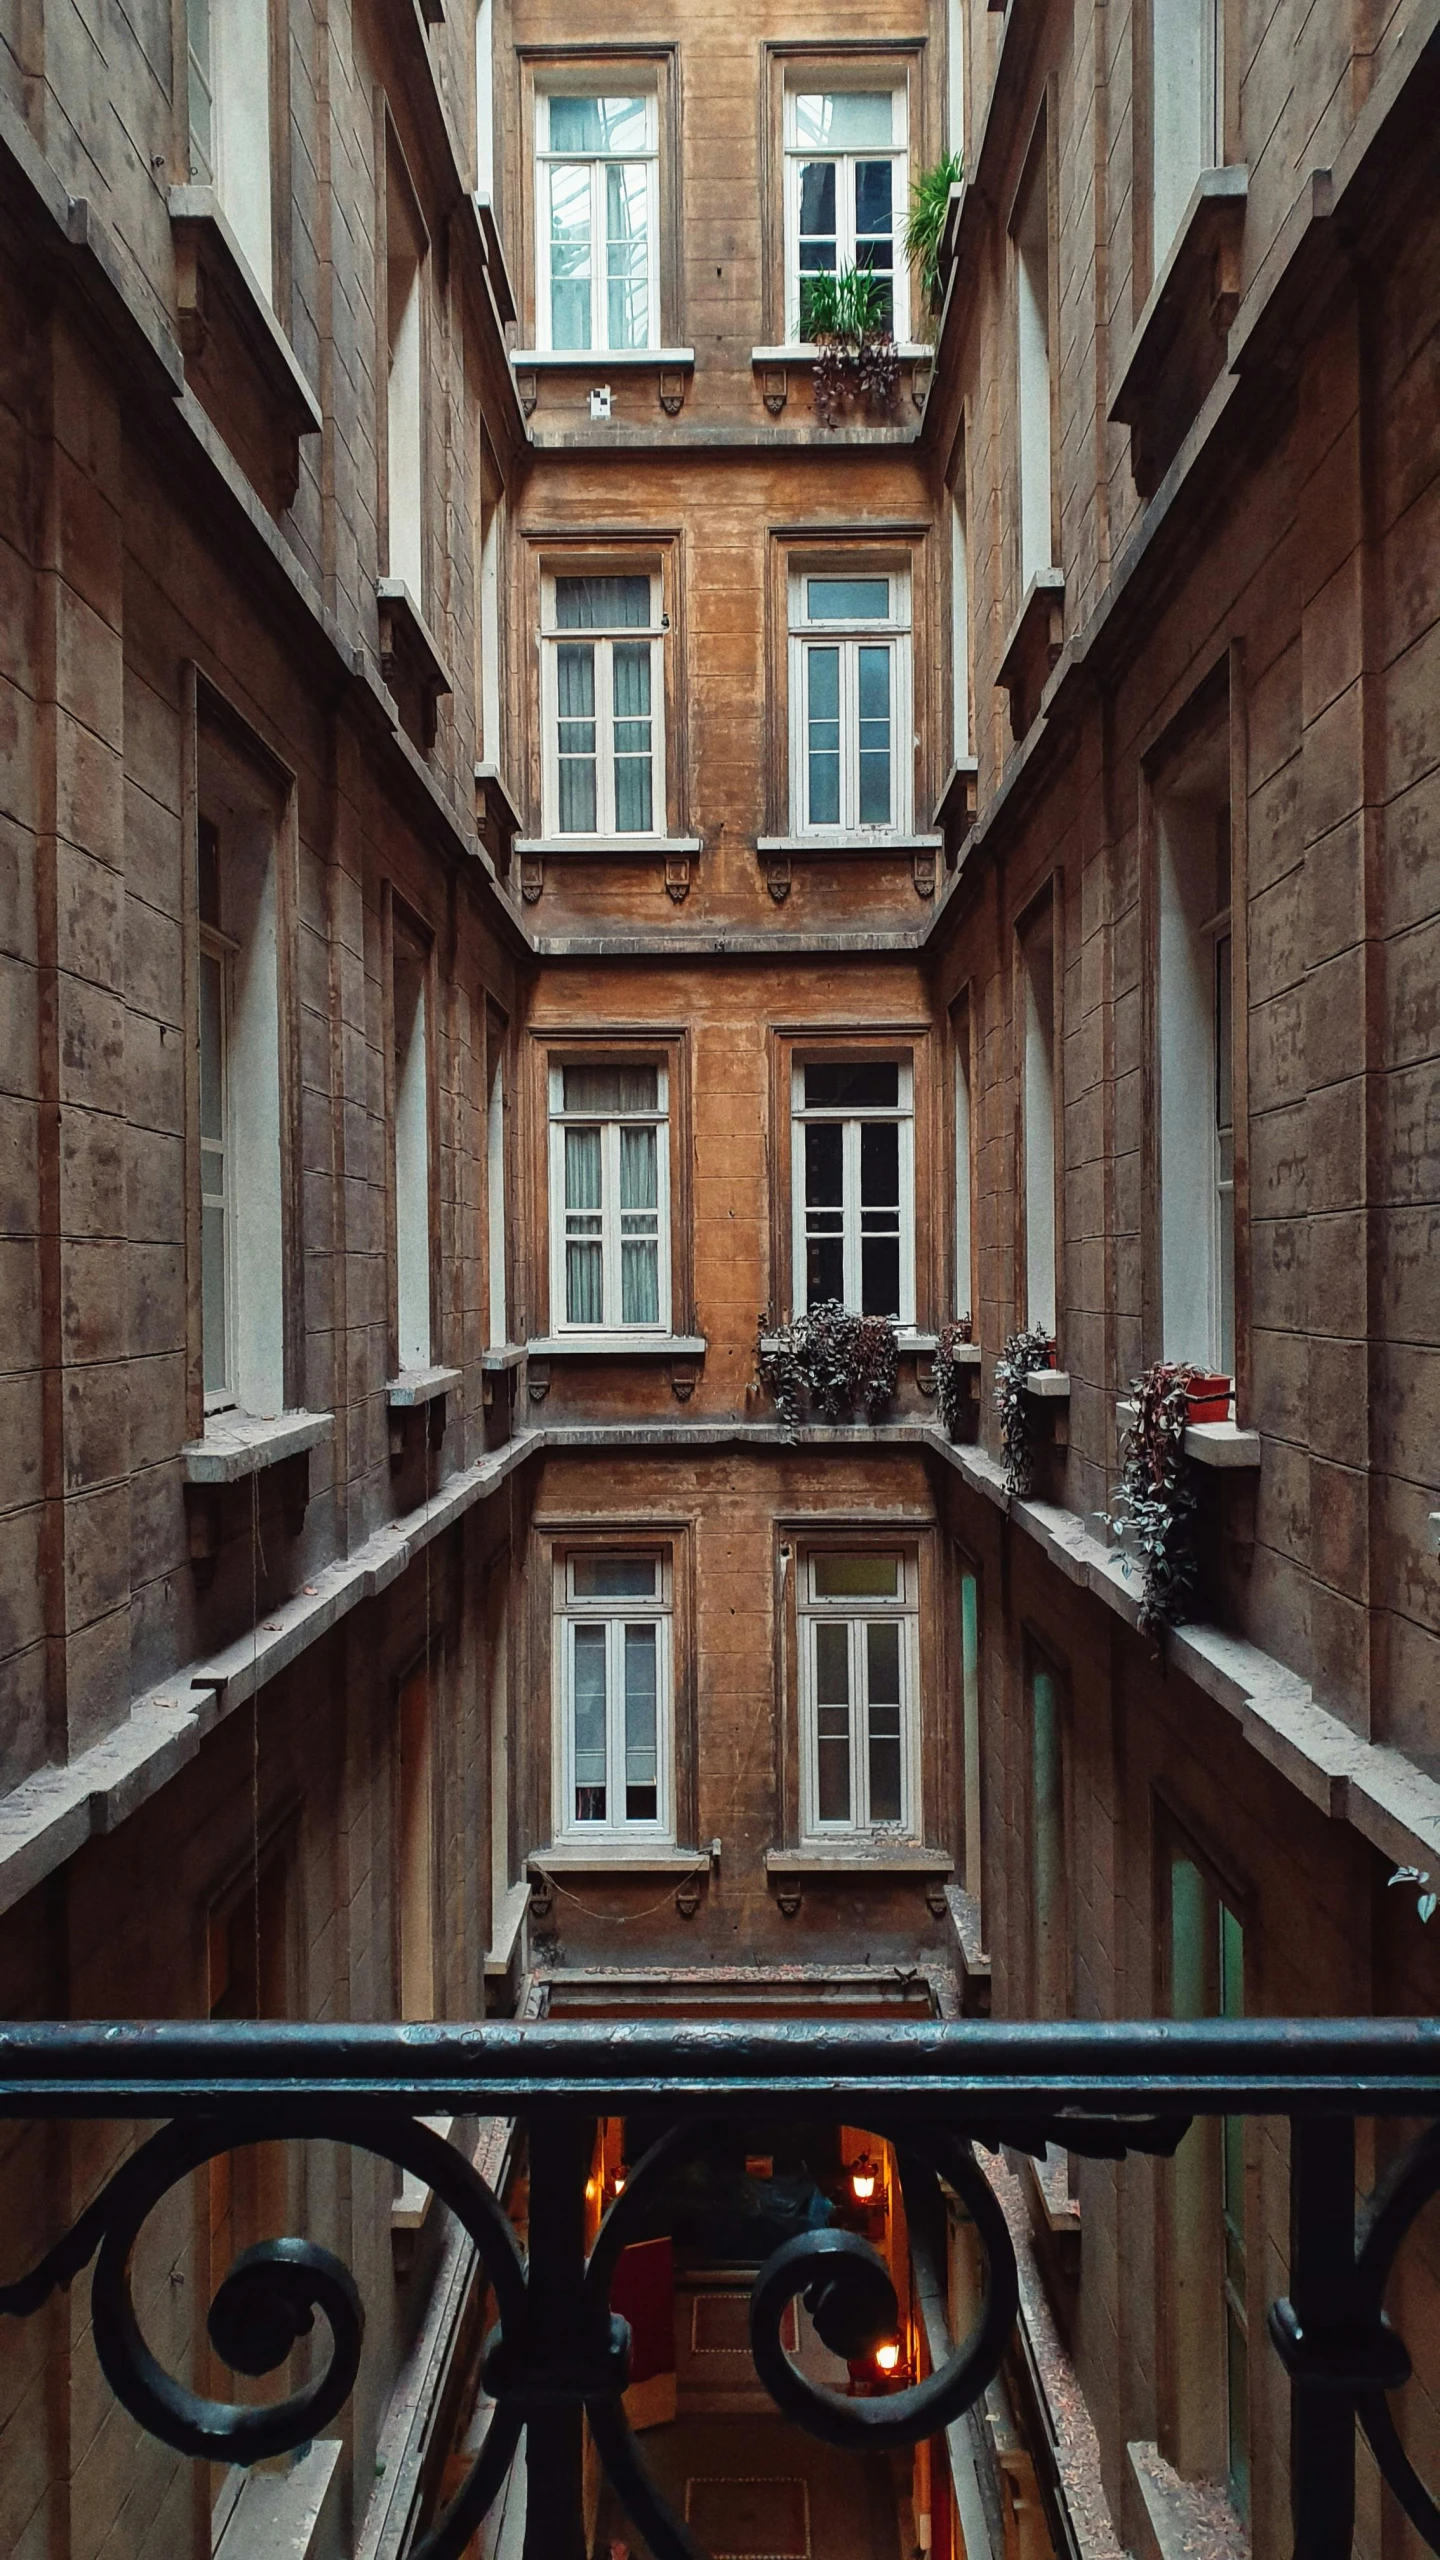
x: 660, y: 970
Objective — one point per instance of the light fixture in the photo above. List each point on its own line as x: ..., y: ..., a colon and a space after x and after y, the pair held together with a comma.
x: 619, y: 2182
x: 887, y: 2355
x: 862, y: 2179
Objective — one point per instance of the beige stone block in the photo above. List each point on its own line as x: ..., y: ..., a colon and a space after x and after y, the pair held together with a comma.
x: 90, y: 538
x: 89, y: 917
x: 1409, y: 1303
x: 23, y: 1749
x: 1331, y: 764
x: 155, y: 1187
x: 20, y: 1300
x: 1411, y: 1136
x: 97, y: 1677
x: 92, y: 1046
x: 157, y: 1407
x: 97, y: 1553
x: 19, y: 1168
x: 154, y: 1075
x: 1335, y: 1130
x: 89, y: 792
x: 92, y: 1174
x: 88, y: 666
x: 17, y: 889
x: 93, y: 1277
x: 96, y: 1409
x: 1336, y: 1297
x: 21, y: 1438
x: 156, y: 1298
x: 1340, y: 1655
x: 154, y: 965
x: 22, y: 1599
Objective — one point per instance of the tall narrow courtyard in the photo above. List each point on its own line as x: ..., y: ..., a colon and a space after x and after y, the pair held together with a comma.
x: 719, y: 1279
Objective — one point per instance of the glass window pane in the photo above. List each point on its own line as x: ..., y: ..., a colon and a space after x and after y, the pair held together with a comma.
x: 639, y: 1281
x: 588, y: 1674
x: 832, y: 1663
x: 582, y: 1169
x: 856, y: 1577
x: 817, y: 204
x: 874, y: 202
x: 639, y: 1168
x: 642, y: 1768
x: 862, y: 1084
x: 212, y: 1046
x: 634, y: 737
x: 602, y: 604
x: 846, y: 119
x: 575, y: 736
x: 847, y: 599
x: 614, y: 1577
x: 824, y: 1164
x: 883, y: 1762
x: 214, y: 1311
x: 584, y: 1298
x: 874, y: 737
x: 598, y: 124
x: 879, y: 1276
x: 823, y: 737
x: 570, y: 257
x: 882, y: 1662
x: 611, y: 1091
x: 627, y: 201
x: 879, y: 1164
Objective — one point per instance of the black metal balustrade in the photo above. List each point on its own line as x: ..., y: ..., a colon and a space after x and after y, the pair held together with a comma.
x: 558, y: 2356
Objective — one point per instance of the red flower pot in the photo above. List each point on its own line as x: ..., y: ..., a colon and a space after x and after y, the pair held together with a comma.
x: 1208, y: 1399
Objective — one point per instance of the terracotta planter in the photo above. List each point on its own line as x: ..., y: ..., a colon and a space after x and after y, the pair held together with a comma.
x: 1208, y: 1399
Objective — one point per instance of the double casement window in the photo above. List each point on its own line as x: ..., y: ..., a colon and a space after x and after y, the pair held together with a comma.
x: 853, y: 1181
x: 238, y: 1061
x: 228, y: 77
x: 609, y: 1198
x: 858, y: 1720
x: 597, y: 164
x: 850, y: 725
x: 614, y: 1754
x: 602, y: 674
x: 845, y: 197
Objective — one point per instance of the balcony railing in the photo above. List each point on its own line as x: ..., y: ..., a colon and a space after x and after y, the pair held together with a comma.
x: 558, y: 2355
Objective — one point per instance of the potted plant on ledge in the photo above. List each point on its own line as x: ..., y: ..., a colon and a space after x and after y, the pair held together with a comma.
x: 847, y: 316
x: 830, y: 1362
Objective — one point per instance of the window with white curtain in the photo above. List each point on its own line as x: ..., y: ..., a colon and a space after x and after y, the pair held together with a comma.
x: 228, y: 78
x: 853, y: 1178
x: 614, y: 1744
x: 859, y: 1737
x: 602, y: 674
x: 851, y: 759
x: 597, y: 162
x: 845, y: 197
x: 609, y: 1198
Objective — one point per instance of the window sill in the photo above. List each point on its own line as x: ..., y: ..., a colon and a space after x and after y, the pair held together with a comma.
x: 294, y: 2511
x: 1210, y: 1444
x: 407, y: 639
x: 1032, y: 647
x: 546, y: 848
x: 501, y: 1355
x: 410, y: 2207
x: 618, y: 1346
x: 237, y: 1445
x: 857, y: 840
x: 1052, y: 1385
x: 955, y: 810
x: 496, y: 812
x: 212, y: 262
x: 804, y: 351
x: 907, y: 1340
x: 965, y: 1355
x: 1180, y: 337
x: 493, y: 252
x: 601, y: 359
x: 500, y: 1957
x: 580, y: 1858
x: 420, y: 1386
x: 859, y: 1858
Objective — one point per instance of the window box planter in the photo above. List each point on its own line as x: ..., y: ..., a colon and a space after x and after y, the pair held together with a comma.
x: 1208, y: 1398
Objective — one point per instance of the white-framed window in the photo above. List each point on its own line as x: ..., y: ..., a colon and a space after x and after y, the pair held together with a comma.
x: 1032, y: 373
x: 851, y: 753
x: 961, y: 741
x: 404, y: 381
x: 228, y: 79
x: 597, y: 220
x: 609, y: 1198
x: 238, y: 1038
x: 1195, y: 1022
x: 614, y: 1774
x: 846, y: 163
x: 412, y: 1152
x: 1187, y: 60
x: 603, y: 704
x: 964, y: 1174
x: 1037, y: 1117
x: 498, y: 1318
x: 859, y: 1720
x: 853, y: 1185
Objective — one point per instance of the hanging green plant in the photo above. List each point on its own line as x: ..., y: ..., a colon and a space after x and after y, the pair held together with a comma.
x: 925, y: 222
x: 845, y: 315
x: 952, y: 1387
x: 1022, y: 1353
x: 828, y: 1363
x: 1156, y: 1499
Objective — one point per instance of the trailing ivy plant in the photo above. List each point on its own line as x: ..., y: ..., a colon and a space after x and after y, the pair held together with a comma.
x: 925, y: 222
x: 951, y: 1386
x: 1156, y: 1497
x: 1427, y: 1900
x: 829, y: 1361
x: 1022, y: 1353
x: 846, y: 317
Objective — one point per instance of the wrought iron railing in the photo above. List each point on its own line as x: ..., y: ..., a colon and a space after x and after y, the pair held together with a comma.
x: 558, y: 2355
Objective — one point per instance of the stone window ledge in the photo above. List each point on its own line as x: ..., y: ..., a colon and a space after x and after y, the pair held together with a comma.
x: 411, y: 1387
x: 600, y: 360
x: 1210, y: 1444
x: 860, y: 1858
x: 908, y: 1339
x: 261, y: 2513
x: 502, y: 1355
x: 212, y: 267
x: 966, y: 1355
x: 493, y: 253
x: 618, y: 1346
x: 547, y: 848
x: 1180, y: 335
x: 604, y: 1858
x: 496, y: 812
x: 407, y: 639
x: 507, y: 1928
x: 410, y: 2205
x: 825, y: 846
x: 955, y: 810
x: 1032, y: 647
x: 237, y: 1445
x: 804, y: 351
x: 1179, y: 2517
x: 1052, y: 1386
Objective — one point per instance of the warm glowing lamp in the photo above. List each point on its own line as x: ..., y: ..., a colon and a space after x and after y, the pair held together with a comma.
x: 887, y: 2356
x: 619, y: 2182
x: 862, y: 2179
